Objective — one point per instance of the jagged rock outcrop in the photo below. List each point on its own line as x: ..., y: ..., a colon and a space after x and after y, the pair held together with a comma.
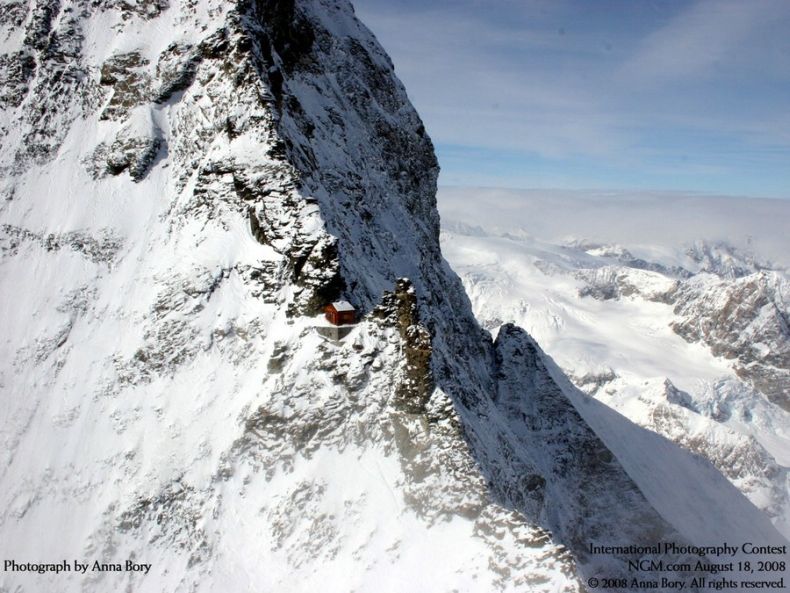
x: 576, y: 461
x: 745, y: 320
x: 724, y: 260
x: 134, y: 155
x: 129, y: 83
x: 615, y: 282
x: 399, y: 309
x: 16, y: 70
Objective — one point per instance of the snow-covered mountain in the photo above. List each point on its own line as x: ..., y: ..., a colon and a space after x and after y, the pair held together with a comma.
x: 679, y: 322
x: 185, y: 185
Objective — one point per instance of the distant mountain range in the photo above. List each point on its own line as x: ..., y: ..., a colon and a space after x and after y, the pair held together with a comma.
x: 684, y: 332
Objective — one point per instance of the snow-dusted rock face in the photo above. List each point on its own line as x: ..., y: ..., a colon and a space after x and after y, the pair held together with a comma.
x: 185, y: 184
x: 746, y: 320
x: 732, y: 303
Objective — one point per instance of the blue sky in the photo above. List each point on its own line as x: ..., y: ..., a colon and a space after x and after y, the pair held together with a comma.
x: 578, y: 94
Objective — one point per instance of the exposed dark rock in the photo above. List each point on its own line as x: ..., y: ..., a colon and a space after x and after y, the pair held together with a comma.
x: 16, y: 71
x: 175, y: 70
x: 278, y: 358
x: 317, y: 276
x: 13, y: 237
x: 590, y: 383
x: 560, y: 460
x: 172, y: 341
x: 290, y: 37
x: 743, y: 320
x: 13, y: 13
x: 739, y: 457
x: 342, y: 192
x: 375, y: 77
x: 616, y: 282
x: 173, y: 515
x: 146, y: 9
x: 130, y: 85
x: 724, y: 260
x: 57, y: 84
x: 399, y: 308
x: 132, y: 154
x: 311, y: 261
x: 682, y: 398
x: 102, y: 247
x: 40, y: 24
x: 256, y: 229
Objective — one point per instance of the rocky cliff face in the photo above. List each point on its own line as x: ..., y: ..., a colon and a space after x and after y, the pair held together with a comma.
x: 185, y: 184
x: 744, y: 320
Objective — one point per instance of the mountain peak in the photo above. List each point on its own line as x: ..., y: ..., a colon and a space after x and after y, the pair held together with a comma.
x: 187, y: 185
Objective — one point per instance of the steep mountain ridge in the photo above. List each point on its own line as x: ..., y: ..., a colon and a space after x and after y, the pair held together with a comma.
x: 185, y: 185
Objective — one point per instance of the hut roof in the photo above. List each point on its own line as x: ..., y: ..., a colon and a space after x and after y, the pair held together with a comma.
x: 343, y: 306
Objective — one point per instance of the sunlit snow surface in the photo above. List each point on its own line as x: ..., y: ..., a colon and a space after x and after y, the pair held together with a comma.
x: 532, y: 258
